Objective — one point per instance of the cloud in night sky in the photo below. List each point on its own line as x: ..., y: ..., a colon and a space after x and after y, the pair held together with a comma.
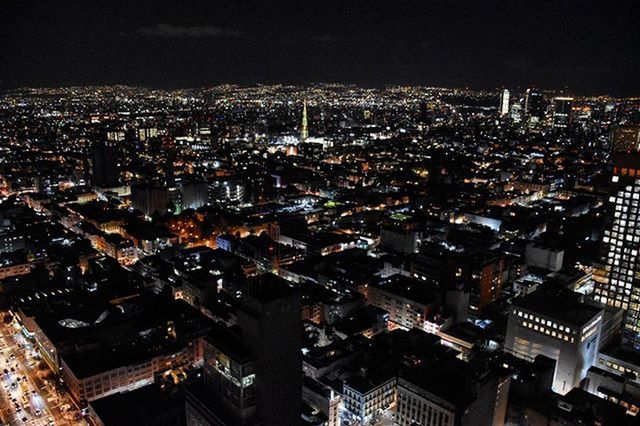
x: 588, y: 47
x: 171, y: 31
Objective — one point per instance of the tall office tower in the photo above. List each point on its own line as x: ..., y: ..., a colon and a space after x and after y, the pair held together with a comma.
x: 619, y: 286
x: 227, y: 394
x: 253, y: 373
x: 271, y: 322
x: 515, y: 112
x: 562, y: 114
x: 534, y: 104
x: 304, y: 134
x: 504, y: 102
x: 104, y: 165
x: 557, y: 324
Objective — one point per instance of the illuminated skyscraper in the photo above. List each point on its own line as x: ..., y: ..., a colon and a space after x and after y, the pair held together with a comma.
x: 534, y: 104
x: 304, y: 134
x: 504, y: 102
x: 562, y: 112
x: 620, y: 287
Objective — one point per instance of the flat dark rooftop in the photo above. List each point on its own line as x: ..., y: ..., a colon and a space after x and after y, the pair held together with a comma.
x: 268, y: 287
x: 626, y: 356
x: 230, y: 344
x: 409, y: 288
x: 563, y: 305
x: 87, y: 364
x: 439, y: 383
x: 372, y: 381
x: 140, y: 407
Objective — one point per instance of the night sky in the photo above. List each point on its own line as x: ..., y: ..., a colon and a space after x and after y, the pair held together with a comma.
x: 587, y: 47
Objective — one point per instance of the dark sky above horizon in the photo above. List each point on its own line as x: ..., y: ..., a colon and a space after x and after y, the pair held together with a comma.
x: 588, y: 47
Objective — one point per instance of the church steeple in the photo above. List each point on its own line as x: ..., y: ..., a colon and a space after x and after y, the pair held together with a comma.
x: 304, y: 133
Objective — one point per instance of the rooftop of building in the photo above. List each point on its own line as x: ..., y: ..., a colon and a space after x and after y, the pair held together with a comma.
x: 576, y: 407
x: 617, y: 352
x: 230, y: 344
x: 318, y: 239
x: 335, y: 351
x: 80, y: 317
x: 365, y: 384
x: 439, y: 382
x: 359, y: 321
x: 118, y: 240
x: 141, y: 407
x: 464, y: 331
x: 89, y: 363
x: 268, y: 287
x: 560, y: 304
x: 98, y: 211
x: 147, y: 231
x: 409, y: 288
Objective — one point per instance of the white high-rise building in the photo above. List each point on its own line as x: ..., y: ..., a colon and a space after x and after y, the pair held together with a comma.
x: 504, y: 102
x: 619, y: 286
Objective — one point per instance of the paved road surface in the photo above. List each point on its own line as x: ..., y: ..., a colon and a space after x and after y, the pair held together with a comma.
x: 27, y: 396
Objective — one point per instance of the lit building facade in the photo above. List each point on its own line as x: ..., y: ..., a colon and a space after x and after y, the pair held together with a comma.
x: 504, y: 102
x: 14, y: 269
x: 625, y: 138
x: 363, y: 401
x: 402, y: 239
x: 619, y: 286
x: 444, y: 399
x: 95, y: 381
x: 562, y: 113
x: 226, y: 190
x: 559, y: 326
x: 11, y: 241
x: 409, y: 302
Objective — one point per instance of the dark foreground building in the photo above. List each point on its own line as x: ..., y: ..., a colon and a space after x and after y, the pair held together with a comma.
x: 253, y: 370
